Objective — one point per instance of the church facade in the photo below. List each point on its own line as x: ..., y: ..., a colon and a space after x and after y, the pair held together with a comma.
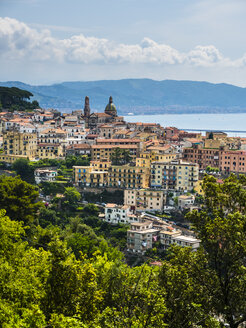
x: 92, y: 120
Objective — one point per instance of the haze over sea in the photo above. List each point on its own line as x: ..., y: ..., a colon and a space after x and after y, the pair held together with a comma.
x: 219, y: 122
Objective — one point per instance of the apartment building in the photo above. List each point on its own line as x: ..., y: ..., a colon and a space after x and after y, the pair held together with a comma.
x: 78, y: 149
x: 18, y: 145
x: 141, y: 236
x: 126, y: 176
x: 168, y: 238
x: 51, y: 150
x: 52, y: 136
x: 175, y: 175
x: 204, y: 157
x: 147, y: 157
x: 145, y: 199
x: 233, y: 161
x: 116, y: 214
x: 91, y: 176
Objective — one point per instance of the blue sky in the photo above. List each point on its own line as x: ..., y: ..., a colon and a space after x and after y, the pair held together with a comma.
x: 46, y: 41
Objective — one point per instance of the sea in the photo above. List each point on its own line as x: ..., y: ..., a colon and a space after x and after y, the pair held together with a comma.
x: 233, y: 124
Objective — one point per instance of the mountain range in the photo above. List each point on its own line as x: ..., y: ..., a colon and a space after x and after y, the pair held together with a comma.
x: 140, y: 96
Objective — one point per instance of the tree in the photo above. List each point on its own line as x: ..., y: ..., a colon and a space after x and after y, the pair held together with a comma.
x: 71, y: 287
x: 120, y: 156
x: 116, y: 156
x: 47, y: 217
x: 188, y: 283
x: 126, y: 157
x: 15, y: 98
x: 52, y: 188
x: 19, y: 199
x: 221, y: 226
x: 72, y: 196
x: 22, y: 167
x: 81, y: 160
x: 23, y: 272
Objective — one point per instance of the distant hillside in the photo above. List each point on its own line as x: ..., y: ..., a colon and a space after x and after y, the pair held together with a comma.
x: 141, y: 96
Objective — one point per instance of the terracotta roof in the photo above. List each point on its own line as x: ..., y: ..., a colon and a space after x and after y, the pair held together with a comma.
x: 102, y: 115
x: 79, y: 146
x: 107, y: 126
x: 111, y: 205
x: 58, y: 130
x: 114, y: 146
x: 118, y: 140
x: 159, y: 148
x: 92, y: 136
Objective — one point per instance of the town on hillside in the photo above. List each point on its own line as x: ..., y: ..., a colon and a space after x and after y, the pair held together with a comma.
x: 153, y: 173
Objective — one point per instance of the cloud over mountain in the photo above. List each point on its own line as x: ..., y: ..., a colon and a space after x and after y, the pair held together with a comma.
x: 18, y: 41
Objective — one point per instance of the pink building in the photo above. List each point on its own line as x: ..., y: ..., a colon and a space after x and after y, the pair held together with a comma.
x: 233, y: 161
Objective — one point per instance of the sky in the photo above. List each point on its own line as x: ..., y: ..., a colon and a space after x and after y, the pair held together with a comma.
x: 51, y: 41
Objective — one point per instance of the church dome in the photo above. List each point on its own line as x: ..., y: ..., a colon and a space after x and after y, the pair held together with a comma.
x: 110, y: 109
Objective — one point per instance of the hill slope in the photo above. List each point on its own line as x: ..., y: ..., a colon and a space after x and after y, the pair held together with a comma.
x: 141, y: 96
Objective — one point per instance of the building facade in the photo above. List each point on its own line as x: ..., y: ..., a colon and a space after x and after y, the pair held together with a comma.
x: 145, y: 199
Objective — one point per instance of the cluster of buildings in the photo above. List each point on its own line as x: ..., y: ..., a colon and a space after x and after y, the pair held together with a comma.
x: 145, y: 160
x: 147, y: 231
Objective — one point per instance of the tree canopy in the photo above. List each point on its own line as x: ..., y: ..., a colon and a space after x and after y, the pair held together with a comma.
x: 16, y: 99
x: 68, y: 275
x: 19, y: 199
x: 120, y: 156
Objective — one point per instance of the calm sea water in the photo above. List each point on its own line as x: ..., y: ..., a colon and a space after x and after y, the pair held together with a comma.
x: 220, y: 122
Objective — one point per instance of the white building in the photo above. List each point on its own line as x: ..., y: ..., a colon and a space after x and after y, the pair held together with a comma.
x: 168, y: 238
x: 44, y: 175
x: 186, y: 201
x: 141, y: 237
x: 115, y: 214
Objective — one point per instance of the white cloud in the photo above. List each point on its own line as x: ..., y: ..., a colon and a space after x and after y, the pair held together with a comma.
x: 18, y: 40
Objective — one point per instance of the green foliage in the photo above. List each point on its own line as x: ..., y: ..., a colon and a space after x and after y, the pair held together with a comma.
x: 52, y: 188
x: 14, y: 99
x: 210, y: 169
x: 81, y: 160
x: 70, y: 275
x: 24, y: 170
x: 19, y: 199
x: 72, y: 196
x: 120, y: 156
x: 23, y: 271
x: 105, y: 196
x: 47, y: 216
x: 221, y: 228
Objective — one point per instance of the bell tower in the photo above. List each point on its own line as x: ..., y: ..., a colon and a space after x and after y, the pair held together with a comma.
x: 87, y: 110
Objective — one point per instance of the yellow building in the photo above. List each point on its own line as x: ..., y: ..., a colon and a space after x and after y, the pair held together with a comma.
x: 145, y: 199
x: 95, y: 175
x: 100, y: 165
x: 50, y: 150
x: 175, y: 175
x: 102, y: 174
x: 18, y: 145
x: 198, y: 188
x: 146, y: 158
x: 127, y: 176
